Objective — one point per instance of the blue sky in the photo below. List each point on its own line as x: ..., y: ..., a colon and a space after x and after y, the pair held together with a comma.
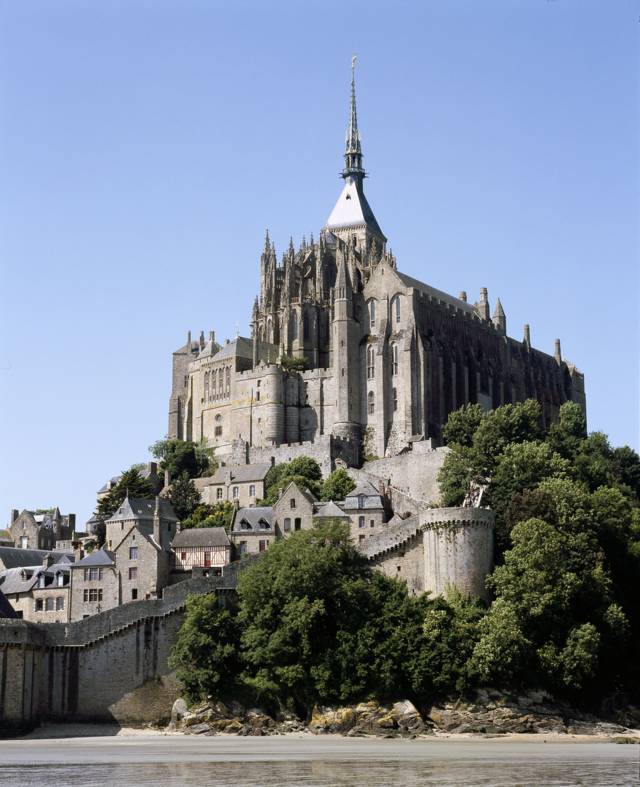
x: 145, y: 147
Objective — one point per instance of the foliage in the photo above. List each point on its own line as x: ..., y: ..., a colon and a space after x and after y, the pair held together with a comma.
x: 184, y: 456
x: 304, y: 470
x: 205, y: 654
x: 184, y: 496
x: 130, y: 483
x: 337, y: 485
x: 217, y: 515
x: 294, y: 364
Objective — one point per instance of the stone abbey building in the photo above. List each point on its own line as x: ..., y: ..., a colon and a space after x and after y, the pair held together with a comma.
x: 386, y: 357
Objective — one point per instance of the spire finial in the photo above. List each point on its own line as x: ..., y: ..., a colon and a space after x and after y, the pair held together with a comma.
x: 353, y: 151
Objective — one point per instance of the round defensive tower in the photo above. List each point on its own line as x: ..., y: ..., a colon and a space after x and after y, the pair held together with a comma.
x: 458, y: 549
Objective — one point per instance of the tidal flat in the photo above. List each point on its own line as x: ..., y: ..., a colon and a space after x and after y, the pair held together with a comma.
x: 144, y: 759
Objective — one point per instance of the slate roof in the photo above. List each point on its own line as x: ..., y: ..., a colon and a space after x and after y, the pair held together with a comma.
x: 6, y: 610
x: 352, y: 209
x: 249, y: 520
x: 201, y: 537
x: 365, y: 495
x: 330, y: 509
x: 308, y: 496
x: 241, y: 474
x: 99, y: 557
x: 141, y: 509
x: 13, y: 581
x: 238, y: 347
x: 12, y: 557
x: 409, y: 281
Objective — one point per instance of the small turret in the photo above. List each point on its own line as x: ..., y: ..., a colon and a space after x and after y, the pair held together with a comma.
x: 499, y: 318
x: 557, y: 352
x: 483, y: 306
x: 156, y: 522
x: 463, y: 295
x: 202, y: 342
x: 527, y: 337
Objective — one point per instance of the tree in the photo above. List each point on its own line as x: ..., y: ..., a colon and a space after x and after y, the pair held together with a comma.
x: 205, y: 653
x: 184, y: 456
x: 130, y: 483
x: 184, y: 496
x: 293, y: 364
x: 337, y: 485
x: 217, y: 515
x: 304, y: 470
x: 462, y: 425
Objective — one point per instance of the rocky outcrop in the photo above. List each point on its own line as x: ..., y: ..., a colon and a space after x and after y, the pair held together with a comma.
x: 490, y: 713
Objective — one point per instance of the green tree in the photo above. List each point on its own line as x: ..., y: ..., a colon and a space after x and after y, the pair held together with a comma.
x: 205, y: 653
x: 304, y: 470
x: 184, y: 496
x: 184, y: 456
x: 462, y: 425
x: 337, y: 485
x: 294, y: 364
x: 217, y: 515
x: 130, y: 483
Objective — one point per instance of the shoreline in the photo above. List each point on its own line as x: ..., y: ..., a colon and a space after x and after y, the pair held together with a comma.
x: 96, y: 732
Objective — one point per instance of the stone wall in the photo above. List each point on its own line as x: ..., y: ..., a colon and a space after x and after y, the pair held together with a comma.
x: 108, y: 667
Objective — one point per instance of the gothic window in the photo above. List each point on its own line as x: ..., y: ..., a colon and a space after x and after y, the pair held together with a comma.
x: 395, y: 309
x: 228, y: 379
x: 371, y: 404
x: 213, y: 384
x: 305, y: 325
x: 372, y: 313
x: 206, y: 386
x: 394, y: 359
x: 371, y: 358
x: 252, y: 490
x: 395, y: 399
x: 220, y: 381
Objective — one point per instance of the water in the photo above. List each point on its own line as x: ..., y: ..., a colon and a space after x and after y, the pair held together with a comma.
x: 312, y: 762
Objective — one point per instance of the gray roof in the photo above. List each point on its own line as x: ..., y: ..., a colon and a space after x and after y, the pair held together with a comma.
x: 239, y: 473
x: 308, y: 496
x: 238, y: 347
x: 352, y: 209
x: 99, y: 557
x: 142, y: 509
x: 12, y: 557
x: 201, y: 537
x: 19, y: 580
x: 6, y: 610
x: 409, y: 281
x: 365, y: 495
x: 330, y: 509
x: 258, y: 519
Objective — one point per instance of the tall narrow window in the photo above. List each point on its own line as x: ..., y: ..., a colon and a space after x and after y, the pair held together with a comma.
x: 394, y: 359
x: 220, y: 382
x: 371, y: 404
x: 395, y: 308
x: 395, y: 399
x: 213, y: 384
x: 371, y: 362
x: 305, y: 325
x: 228, y: 379
x: 294, y: 325
x: 372, y: 313
x: 206, y: 386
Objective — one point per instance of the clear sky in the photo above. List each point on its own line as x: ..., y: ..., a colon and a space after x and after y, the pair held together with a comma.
x: 145, y: 145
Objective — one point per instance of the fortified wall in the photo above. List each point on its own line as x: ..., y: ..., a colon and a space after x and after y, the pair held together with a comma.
x: 437, y: 549
x: 110, y: 667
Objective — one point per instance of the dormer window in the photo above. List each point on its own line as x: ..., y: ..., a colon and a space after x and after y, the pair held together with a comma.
x: 244, y: 525
x: 264, y: 524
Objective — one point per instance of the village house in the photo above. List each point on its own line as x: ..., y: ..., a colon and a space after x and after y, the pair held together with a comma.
x: 242, y: 485
x: 294, y: 509
x: 95, y: 585
x: 208, y: 548
x: 253, y: 529
x: 40, y: 529
x: 366, y: 510
x: 39, y: 592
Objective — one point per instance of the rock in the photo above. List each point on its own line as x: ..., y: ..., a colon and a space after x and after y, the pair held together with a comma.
x: 234, y: 725
x: 199, y: 729
x: 407, y: 715
x: 386, y: 722
x: 178, y: 710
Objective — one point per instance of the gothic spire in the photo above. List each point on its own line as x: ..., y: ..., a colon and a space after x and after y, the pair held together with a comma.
x: 353, y: 151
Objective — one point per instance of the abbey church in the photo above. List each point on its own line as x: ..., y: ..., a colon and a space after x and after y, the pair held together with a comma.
x: 349, y: 353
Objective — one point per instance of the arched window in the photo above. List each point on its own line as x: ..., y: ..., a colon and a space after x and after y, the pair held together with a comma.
x: 394, y: 359
x: 206, y: 386
x: 395, y: 399
x: 213, y: 384
x: 228, y: 385
x: 371, y: 358
x: 371, y: 403
x: 220, y: 381
x: 372, y: 313
x: 395, y: 308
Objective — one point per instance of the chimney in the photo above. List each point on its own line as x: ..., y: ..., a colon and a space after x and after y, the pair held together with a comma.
x: 156, y: 522
x: 463, y: 296
x: 71, y: 519
x: 189, y: 339
x: 483, y: 306
x: 47, y: 560
x: 14, y: 514
x: 78, y: 551
x: 212, y: 336
x: 557, y: 353
x: 527, y: 337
